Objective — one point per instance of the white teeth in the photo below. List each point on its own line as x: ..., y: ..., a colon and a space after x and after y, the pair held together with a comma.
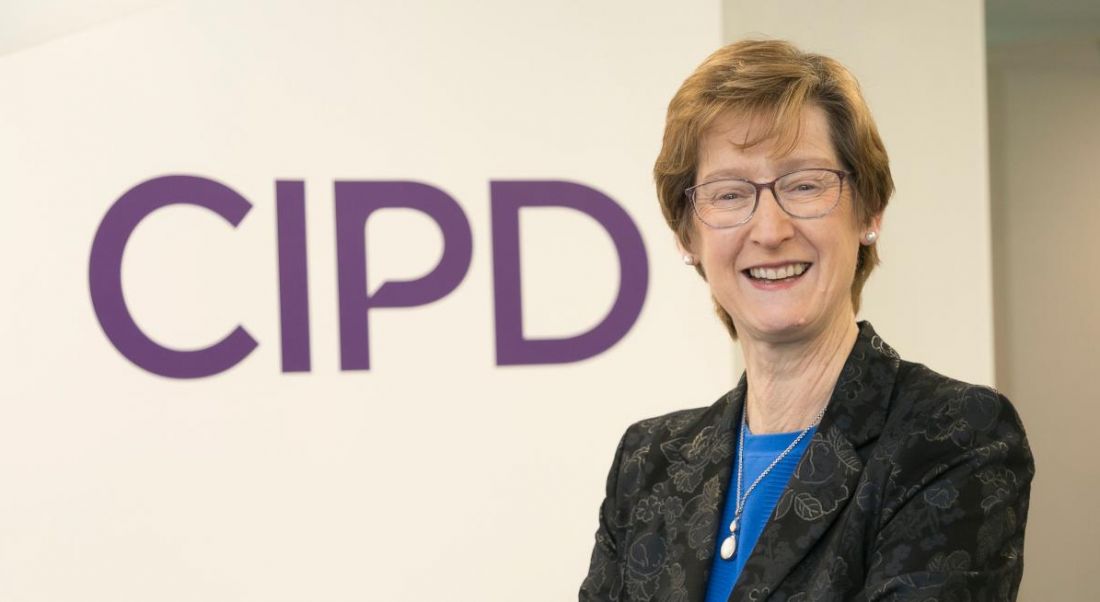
x: 787, y: 271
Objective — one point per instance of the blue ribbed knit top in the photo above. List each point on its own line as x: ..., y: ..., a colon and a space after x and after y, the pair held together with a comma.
x: 760, y: 451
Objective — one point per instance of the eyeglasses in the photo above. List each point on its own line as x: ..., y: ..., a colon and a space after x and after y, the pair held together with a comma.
x: 805, y: 194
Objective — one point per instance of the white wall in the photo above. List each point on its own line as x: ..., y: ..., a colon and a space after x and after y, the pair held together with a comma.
x: 434, y: 476
x: 922, y: 69
x: 1045, y: 140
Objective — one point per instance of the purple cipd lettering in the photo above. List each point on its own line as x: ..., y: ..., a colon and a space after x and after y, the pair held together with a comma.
x: 290, y: 207
x: 355, y: 201
x: 508, y: 197
x: 105, y: 276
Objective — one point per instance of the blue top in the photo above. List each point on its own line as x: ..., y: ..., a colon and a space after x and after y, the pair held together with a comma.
x: 760, y: 451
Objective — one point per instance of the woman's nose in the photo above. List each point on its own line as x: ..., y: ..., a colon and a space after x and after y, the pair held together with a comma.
x: 770, y: 225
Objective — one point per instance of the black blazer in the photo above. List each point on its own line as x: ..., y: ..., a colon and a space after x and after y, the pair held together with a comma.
x: 914, y: 487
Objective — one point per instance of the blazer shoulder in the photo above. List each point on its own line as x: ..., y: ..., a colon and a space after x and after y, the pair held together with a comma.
x: 937, y: 423
x: 954, y: 470
x: 927, y: 401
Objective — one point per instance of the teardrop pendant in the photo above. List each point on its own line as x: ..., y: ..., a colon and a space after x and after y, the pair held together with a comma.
x: 729, y: 547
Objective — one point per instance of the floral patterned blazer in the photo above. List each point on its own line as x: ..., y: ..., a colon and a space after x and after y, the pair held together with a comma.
x: 914, y: 487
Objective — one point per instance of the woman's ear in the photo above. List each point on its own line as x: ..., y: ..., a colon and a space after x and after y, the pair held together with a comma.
x: 688, y: 256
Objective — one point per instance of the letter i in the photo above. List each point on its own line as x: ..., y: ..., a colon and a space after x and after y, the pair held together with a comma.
x: 290, y: 210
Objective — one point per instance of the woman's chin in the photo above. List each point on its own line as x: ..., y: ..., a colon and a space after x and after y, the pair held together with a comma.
x: 777, y: 329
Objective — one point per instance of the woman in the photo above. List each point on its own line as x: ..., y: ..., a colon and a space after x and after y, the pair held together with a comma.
x: 834, y: 470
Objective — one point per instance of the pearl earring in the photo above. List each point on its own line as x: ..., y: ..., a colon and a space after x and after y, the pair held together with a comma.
x: 871, y: 237
x: 689, y: 260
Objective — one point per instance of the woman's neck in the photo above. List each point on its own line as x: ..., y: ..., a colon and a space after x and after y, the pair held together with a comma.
x: 789, y: 383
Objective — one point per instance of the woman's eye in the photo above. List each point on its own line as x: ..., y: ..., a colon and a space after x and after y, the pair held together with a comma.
x: 734, y: 194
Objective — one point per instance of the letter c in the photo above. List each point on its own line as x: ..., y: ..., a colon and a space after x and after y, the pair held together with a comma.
x: 105, y: 276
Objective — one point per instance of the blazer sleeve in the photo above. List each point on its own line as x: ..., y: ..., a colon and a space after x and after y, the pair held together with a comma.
x: 604, y: 580
x: 955, y: 529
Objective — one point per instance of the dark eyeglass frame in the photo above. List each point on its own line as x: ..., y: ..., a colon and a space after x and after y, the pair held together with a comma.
x: 690, y: 192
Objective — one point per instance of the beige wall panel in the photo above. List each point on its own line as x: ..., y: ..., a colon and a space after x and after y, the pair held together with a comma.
x: 436, y: 475
x: 1045, y: 143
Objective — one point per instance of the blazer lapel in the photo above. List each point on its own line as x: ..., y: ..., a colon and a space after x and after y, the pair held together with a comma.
x: 692, y: 537
x: 825, y: 479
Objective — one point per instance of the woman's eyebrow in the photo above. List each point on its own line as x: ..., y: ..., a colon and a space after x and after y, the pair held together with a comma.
x: 784, y: 165
x: 787, y: 164
x: 724, y: 173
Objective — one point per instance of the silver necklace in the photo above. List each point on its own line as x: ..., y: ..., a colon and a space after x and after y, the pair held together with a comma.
x: 729, y: 544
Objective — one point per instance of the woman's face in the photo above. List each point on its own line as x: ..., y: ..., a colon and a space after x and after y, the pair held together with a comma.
x: 797, y: 307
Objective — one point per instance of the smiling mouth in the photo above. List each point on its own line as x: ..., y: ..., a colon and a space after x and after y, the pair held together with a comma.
x: 777, y: 274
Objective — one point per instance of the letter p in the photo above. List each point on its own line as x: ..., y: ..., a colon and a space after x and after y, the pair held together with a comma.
x: 355, y: 201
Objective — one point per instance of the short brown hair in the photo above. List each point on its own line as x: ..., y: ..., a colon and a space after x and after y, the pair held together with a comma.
x: 775, y: 81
